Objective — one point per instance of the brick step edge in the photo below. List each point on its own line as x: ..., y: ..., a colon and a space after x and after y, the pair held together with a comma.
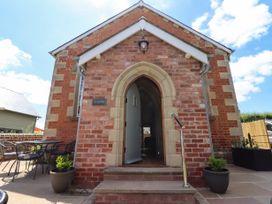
x: 144, y: 170
x: 143, y: 187
x: 145, y: 199
x: 142, y: 177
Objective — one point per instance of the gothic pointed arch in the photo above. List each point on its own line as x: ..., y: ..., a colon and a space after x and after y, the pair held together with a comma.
x: 168, y: 96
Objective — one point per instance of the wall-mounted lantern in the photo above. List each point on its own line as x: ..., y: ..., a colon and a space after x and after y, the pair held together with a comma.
x: 143, y: 45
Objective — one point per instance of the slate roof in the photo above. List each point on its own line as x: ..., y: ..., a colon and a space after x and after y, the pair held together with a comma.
x: 15, y: 102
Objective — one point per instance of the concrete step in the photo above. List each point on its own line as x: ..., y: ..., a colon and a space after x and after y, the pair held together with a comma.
x: 143, y: 174
x: 144, y: 192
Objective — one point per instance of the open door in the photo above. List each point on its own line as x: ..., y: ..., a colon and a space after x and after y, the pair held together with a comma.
x: 133, y: 139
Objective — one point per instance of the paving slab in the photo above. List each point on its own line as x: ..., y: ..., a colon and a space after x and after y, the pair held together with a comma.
x: 245, y: 190
x: 242, y: 177
x: 25, y: 190
x: 246, y: 187
x: 206, y: 193
x: 234, y: 201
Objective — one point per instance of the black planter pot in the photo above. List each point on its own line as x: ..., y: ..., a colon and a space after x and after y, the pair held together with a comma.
x: 218, y: 181
x: 61, y: 181
x: 256, y: 159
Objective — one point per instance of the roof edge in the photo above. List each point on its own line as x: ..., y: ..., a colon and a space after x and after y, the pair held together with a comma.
x: 86, y: 33
x: 142, y: 24
x: 134, y: 6
x: 225, y: 48
x: 23, y: 113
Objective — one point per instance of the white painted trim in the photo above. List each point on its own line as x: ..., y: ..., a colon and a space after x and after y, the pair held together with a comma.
x: 142, y: 24
x: 116, y: 39
x: 181, y: 45
x: 139, y: 4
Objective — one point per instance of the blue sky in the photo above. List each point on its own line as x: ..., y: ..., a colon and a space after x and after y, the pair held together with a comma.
x: 29, y: 29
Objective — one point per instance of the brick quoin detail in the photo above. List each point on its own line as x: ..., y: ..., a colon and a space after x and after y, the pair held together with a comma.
x: 96, y: 122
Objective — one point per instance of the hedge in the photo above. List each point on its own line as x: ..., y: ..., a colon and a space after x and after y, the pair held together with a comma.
x: 247, y: 117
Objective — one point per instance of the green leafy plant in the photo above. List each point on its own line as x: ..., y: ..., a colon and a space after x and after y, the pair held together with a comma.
x: 251, y: 143
x: 247, y: 143
x: 216, y: 164
x: 64, y: 163
x: 36, y: 148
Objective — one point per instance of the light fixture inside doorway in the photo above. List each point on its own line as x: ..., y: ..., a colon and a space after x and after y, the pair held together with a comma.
x: 143, y: 45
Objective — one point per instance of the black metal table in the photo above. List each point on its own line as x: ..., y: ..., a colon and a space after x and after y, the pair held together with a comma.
x: 39, y: 142
x: 44, y: 144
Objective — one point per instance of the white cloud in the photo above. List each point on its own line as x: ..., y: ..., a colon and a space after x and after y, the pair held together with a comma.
x: 199, y: 21
x: 100, y: 10
x: 214, y: 4
x: 117, y: 5
x: 112, y: 5
x: 160, y: 4
x: 33, y: 87
x: 249, y: 72
x: 11, y: 55
x: 236, y: 22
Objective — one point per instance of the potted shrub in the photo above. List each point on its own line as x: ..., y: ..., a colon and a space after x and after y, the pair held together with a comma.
x: 62, y: 175
x: 216, y: 175
x: 245, y: 153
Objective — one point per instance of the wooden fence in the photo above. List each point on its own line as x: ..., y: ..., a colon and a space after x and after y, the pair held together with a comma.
x: 258, y: 133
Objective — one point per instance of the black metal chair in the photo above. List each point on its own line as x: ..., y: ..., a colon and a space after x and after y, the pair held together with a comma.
x: 63, y: 149
x: 27, y: 152
x: 7, y: 152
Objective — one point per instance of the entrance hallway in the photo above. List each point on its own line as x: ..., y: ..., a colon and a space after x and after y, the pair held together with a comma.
x: 143, y: 142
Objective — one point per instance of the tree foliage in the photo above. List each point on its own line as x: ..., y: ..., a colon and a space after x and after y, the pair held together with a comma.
x: 248, y: 117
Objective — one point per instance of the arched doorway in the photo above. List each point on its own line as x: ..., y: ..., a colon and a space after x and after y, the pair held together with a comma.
x: 143, y: 123
x: 167, y: 89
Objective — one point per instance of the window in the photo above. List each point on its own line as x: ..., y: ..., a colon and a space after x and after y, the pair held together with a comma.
x: 147, y: 130
x: 8, y: 130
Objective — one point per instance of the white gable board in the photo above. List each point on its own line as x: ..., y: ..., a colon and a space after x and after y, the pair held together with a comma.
x: 143, y: 25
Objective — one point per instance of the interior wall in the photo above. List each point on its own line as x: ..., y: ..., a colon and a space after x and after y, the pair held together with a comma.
x: 151, y: 113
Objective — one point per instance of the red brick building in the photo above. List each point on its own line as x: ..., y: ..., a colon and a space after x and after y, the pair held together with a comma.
x: 116, y: 100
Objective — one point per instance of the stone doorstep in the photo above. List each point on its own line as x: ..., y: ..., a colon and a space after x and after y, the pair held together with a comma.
x: 143, y: 174
x: 144, y: 170
x: 143, y: 187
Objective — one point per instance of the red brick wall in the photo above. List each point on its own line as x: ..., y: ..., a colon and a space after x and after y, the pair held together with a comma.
x: 96, y: 123
x: 20, y: 137
x: 93, y: 144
